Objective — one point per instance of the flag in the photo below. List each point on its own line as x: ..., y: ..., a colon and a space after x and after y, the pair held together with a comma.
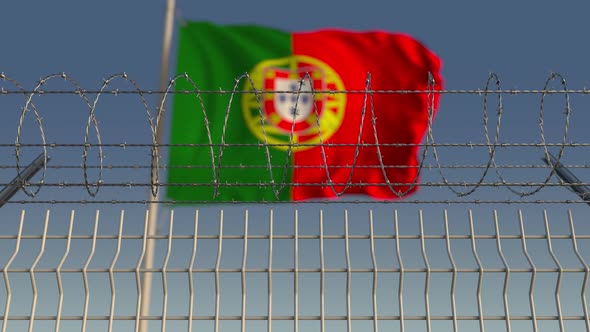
x: 302, y: 141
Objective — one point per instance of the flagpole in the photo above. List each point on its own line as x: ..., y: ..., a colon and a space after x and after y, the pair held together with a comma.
x: 153, y: 205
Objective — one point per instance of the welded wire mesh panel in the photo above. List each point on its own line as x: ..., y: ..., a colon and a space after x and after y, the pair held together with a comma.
x: 315, y: 270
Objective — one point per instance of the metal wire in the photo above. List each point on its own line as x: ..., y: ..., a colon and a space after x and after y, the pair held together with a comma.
x: 321, y: 201
x: 85, y: 272
x: 5, y: 273
x: 507, y: 274
x: 58, y: 273
x: 533, y: 275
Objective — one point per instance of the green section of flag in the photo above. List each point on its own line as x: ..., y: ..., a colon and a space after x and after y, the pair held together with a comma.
x: 214, y: 57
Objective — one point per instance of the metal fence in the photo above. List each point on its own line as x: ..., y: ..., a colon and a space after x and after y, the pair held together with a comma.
x: 473, y: 249
x: 324, y: 273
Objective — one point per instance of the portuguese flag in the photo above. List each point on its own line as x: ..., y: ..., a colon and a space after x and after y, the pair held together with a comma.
x: 266, y: 119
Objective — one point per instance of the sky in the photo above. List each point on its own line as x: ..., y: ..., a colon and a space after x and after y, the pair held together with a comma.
x: 523, y: 42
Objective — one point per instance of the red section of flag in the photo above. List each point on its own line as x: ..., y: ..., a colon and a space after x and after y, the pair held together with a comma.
x: 396, y: 62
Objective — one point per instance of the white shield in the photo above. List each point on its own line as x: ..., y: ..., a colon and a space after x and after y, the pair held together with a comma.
x: 293, y: 106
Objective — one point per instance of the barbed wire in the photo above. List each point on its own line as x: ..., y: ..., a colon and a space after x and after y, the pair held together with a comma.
x: 318, y: 201
x: 426, y: 166
x: 375, y: 91
x: 297, y: 184
x: 215, y: 149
